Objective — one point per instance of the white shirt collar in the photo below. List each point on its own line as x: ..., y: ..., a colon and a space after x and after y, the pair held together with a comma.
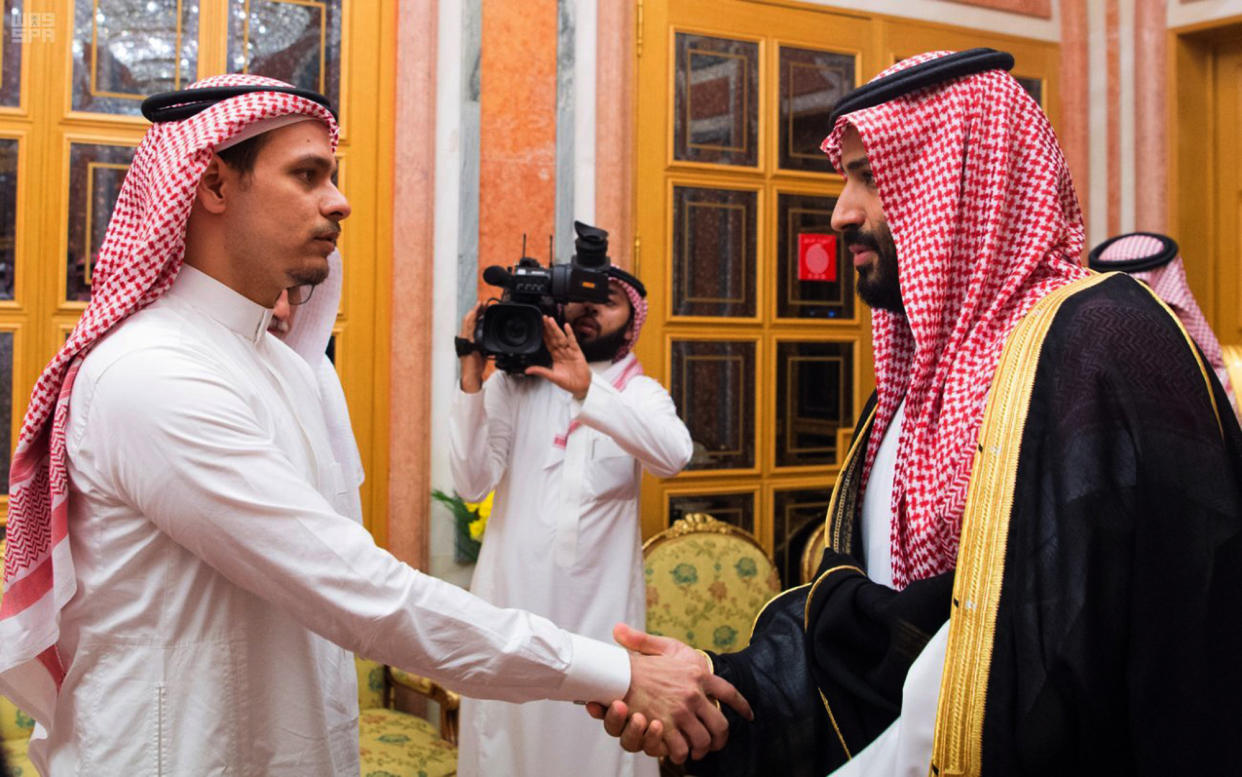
x: 244, y: 316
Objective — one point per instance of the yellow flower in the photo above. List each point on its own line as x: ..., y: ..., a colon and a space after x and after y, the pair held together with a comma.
x: 476, y: 528
x: 482, y: 509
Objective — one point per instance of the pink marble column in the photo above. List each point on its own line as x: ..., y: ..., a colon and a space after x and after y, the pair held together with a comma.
x: 517, y: 130
x: 1074, y: 90
x: 615, y: 172
x: 1112, y: 36
x: 413, y: 211
x: 1151, y: 153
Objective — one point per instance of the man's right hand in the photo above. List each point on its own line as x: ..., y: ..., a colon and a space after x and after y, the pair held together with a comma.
x: 472, y: 363
x: 671, y: 686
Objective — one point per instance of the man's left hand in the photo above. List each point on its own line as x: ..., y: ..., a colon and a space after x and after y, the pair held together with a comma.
x: 569, y: 368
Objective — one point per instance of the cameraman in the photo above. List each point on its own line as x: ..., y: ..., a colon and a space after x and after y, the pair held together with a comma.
x: 562, y: 448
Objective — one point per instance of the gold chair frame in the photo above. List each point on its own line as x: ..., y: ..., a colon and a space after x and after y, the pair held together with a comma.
x: 699, y: 523
x: 813, y: 553
x: 448, y: 701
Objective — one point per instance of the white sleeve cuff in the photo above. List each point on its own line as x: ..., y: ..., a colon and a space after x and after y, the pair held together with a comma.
x: 469, y: 407
x: 598, y: 672
x: 596, y: 402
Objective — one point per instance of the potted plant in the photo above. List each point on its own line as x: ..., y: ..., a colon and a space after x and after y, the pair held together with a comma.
x: 470, y: 521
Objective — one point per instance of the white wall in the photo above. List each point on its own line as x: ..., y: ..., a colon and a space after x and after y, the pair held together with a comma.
x: 961, y: 15
x: 1182, y: 14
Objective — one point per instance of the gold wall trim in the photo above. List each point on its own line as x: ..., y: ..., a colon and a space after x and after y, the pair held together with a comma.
x: 319, y: 5
x: 958, y: 743
x: 788, y: 79
x: 88, y: 230
x: 730, y: 359
x: 792, y: 421
x: 94, y: 89
x: 745, y: 80
x: 732, y: 208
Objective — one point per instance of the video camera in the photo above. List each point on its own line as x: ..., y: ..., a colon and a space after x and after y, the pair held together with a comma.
x: 511, y: 329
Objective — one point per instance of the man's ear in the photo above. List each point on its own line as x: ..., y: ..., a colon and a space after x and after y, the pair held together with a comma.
x: 214, y: 185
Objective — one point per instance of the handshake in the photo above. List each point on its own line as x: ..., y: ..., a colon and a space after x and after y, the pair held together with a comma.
x: 673, y: 704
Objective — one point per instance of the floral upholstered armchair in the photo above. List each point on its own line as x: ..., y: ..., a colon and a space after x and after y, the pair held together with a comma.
x: 706, y: 583
x: 393, y: 743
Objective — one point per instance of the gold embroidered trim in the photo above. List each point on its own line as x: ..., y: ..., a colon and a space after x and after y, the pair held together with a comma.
x: 833, y: 525
x: 806, y: 625
x: 711, y: 665
x: 958, y: 743
x: 769, y: 603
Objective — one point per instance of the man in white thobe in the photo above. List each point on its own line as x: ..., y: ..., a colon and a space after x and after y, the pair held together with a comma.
x: 564, y: 450
x: 203, y: 622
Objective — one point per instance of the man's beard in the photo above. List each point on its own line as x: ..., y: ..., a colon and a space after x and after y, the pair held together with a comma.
x: 309, y: 276
x: 604, y: 347
x: 878, y: 285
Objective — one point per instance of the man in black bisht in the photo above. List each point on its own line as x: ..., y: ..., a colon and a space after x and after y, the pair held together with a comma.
x: 1035, y: 543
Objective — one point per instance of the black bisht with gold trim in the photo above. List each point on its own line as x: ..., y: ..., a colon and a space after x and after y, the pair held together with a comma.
x: 1101, y: 565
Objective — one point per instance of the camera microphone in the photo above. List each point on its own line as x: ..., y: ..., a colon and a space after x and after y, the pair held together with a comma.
x: 495, y: 275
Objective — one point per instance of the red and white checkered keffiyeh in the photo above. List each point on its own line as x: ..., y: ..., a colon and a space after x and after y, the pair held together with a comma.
x: 140, y: 257
x: 982, y: 210
x: 638, y: 303
x: 1168, y: 281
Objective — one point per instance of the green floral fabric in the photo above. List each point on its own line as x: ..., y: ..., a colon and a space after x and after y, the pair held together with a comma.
x: 396, y: 744
x: 370, y: 683
x: 14, y: 724
x: 705, y: 589
x: 15, y: 758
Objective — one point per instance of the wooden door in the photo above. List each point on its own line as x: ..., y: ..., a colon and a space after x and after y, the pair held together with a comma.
x: 1224, y: 292
x: 73, y: 74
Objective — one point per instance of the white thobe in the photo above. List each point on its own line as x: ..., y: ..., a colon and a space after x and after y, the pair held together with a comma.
x: 563, y: 540
x: 905, y: 747
x: 218, y: 587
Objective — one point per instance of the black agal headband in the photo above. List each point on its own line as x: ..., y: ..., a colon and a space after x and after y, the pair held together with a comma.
x: 182, y: 104
x: 1162, y: 255
x: 929, y: 73
x: 623, y: 276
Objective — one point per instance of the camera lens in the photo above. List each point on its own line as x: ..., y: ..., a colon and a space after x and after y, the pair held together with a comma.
x: 515, y: 331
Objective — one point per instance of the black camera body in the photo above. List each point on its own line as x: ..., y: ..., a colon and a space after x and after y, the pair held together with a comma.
x: 511, y: 329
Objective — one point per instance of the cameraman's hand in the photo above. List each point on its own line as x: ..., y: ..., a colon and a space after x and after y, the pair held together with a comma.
x: 569, y: 368
x: 472, y: 363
